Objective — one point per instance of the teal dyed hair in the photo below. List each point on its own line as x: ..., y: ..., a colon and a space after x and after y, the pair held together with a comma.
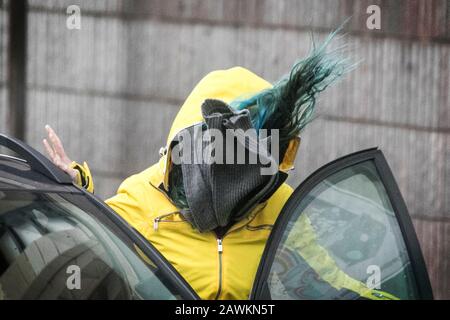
x: 288, y: 106
x: 176, y: 188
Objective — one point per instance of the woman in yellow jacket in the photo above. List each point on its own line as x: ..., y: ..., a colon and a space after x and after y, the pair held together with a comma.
x: 218, y: 251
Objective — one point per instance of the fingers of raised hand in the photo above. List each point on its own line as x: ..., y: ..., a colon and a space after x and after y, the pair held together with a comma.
x: 49, y: 150
x: 56, y: 159
x: 56, y: 142
x: 55, y: 150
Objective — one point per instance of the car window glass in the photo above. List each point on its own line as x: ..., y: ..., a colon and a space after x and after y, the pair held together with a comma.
x: 343, y: 241
x: 53, y: 249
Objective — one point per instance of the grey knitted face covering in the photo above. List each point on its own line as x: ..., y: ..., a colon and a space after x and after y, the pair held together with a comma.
x: 225, y: 190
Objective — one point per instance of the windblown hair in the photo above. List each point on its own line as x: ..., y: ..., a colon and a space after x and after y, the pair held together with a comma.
x: 288, y: 106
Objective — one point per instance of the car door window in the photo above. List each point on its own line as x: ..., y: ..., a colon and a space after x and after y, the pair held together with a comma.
x: 53, y: 248
x: 344, y: 234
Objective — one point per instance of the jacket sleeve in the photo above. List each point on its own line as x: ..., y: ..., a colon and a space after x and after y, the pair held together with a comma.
x: 305, y: 243
x: 130, y: 204
x: 84, y: 176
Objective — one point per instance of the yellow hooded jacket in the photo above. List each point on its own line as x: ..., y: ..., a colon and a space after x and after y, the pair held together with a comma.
x: 227, y: 274
x: 215, y: 268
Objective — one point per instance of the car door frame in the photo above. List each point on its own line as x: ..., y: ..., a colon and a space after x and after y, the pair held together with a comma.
x: 166, y: 268
x: 260, y: 290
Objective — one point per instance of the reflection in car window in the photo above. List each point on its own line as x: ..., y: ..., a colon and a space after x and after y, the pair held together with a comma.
x: 53, y: 249
x: 343, y: 242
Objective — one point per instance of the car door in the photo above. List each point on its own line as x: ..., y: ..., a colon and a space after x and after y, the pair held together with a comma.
x: 58, y: 241
x: 345, y: 233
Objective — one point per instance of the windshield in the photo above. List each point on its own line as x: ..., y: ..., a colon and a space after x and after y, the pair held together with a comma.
x: 59, y: 246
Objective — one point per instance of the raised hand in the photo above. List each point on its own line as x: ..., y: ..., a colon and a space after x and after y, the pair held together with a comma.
x: 56, y: 152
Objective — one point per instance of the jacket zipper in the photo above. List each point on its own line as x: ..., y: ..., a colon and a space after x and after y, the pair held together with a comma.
x: 220, y: 252
x: 156, y: 222
x: 158, y: 219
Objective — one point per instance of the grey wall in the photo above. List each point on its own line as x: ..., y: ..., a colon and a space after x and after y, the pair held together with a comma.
x: 112, y: 88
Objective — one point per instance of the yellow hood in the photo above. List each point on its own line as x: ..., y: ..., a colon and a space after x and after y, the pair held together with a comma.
x: 225, y: 85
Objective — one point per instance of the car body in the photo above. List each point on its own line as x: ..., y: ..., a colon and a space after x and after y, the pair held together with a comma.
x: 58, y: 241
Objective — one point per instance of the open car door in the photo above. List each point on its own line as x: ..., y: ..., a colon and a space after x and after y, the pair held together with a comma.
x: 345, y: 233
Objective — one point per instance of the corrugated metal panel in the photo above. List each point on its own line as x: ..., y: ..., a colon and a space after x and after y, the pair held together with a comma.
x: 434, y: 238
x: 93, y: 59
x: 399, y: 18
x: 101, y: 7
x: 446, y: 195
x: 413, y: 93
x: 398, y: 83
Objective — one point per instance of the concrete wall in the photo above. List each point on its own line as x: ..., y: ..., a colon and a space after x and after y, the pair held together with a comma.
x: 112, y: 88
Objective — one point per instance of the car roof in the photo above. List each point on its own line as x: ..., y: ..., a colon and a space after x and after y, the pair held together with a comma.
x: 16, y: 174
